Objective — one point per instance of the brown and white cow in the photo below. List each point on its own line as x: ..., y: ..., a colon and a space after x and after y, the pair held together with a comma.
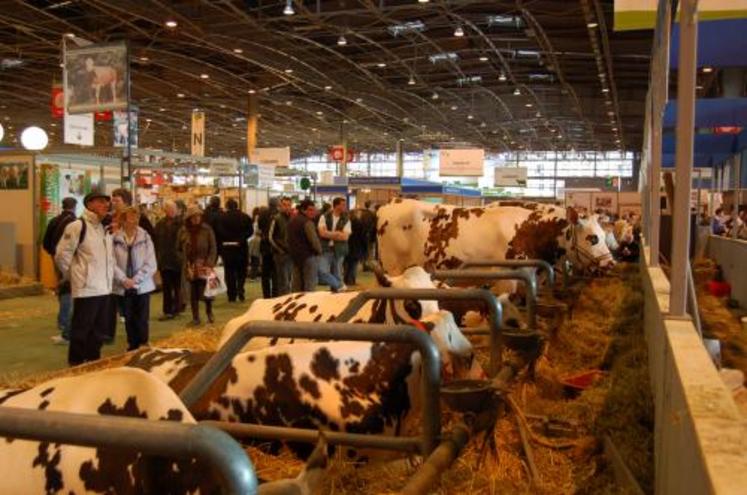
x: 358, y: 387
x: 412, y: 232
x: 325, y: 306
x: 31, y: 467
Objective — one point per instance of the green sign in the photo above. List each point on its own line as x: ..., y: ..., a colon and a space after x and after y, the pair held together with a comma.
x: 305, y: 183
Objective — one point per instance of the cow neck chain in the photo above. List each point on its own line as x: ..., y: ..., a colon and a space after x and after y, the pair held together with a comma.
x: 581, y: 253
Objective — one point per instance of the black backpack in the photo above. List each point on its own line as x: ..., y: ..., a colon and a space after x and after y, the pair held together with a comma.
x: 55, y: 231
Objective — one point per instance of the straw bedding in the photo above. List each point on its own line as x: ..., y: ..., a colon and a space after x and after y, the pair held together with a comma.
x: 605, y: 332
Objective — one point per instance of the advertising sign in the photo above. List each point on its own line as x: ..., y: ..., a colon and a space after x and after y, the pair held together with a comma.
x: 461, y: 162
x: 336, y: 154
x: 265, y: 175
x: 223, y: 166
x: 96, y: 78
x: 79, y: 129
x: 58, y: 101
x: 198, y: 133
x: 121, y: 133
x: 510, y: 176
x: 277, y: 157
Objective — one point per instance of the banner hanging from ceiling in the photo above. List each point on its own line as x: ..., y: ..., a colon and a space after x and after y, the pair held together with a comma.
x: 510, y: 176
x: 79, y: 129
x: 58, y: 101
x: 276, y: 157
x: 641, y: 14
x: 121, y: 133
x: 461, y: 162
x: 96, y: 78
x: 198, y: 133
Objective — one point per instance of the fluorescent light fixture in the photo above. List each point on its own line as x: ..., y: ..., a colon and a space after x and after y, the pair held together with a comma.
x: 512, y: 21
x: 527, y: 54
x: 406, y: 27
x: 444, y: 56
x: 469, y: 80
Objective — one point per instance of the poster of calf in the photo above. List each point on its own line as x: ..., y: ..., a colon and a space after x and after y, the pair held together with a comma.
x: 96, y: 77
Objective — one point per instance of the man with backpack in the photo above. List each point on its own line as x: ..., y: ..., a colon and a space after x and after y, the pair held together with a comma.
x: 52, y: 236
x: 85, y: 257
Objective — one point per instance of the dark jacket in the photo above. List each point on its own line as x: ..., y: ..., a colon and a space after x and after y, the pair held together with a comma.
x: 279, y: 233
x: 340, y: 247
x: 166, y: 239
x: 360, y: 238
x: 235, y: 228
x: 303, y: 240
x: 211, y: 216
x: 264, y: 220
x: 204, y: 252
x: 145, y: 224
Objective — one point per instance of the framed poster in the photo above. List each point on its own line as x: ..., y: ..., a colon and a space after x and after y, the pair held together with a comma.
x: 121, y: 133
x: 97, y: 78
x: 461, y: 162
x: 14, y: 175
x: 510, y: 176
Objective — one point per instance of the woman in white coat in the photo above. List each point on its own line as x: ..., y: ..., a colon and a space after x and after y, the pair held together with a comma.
x: 134, y: 268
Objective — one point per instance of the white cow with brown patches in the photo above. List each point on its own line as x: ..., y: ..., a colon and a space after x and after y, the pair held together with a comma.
x: 414, y: 233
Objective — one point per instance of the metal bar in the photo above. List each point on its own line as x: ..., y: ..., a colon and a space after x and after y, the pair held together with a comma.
x: 495, y: 310
x: 334, y: 331
x: 538, y: 264
x: 162, y: 438
x: 242, y: 431
x: 440, y: 460
x: 684, y: 156
x: 529, y: 279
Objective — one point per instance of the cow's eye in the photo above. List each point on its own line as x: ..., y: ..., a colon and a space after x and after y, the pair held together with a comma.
x: 413, y: 309
x: 593, y: 239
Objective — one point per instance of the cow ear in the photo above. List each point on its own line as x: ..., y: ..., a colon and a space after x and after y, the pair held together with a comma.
x: 572, y: 215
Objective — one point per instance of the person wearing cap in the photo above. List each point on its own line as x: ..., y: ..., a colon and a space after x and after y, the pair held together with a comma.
x: 85, y: 257
x: 197, y: 248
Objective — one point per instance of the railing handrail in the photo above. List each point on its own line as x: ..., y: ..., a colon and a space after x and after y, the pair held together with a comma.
x: 536, y: 263
x: 163, y: 438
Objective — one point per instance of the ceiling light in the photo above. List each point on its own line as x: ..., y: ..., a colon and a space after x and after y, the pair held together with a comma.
x: 699, y: 87
x: 381, y: 65
x: 288, y: 102
x: 204, y: 76
x: 411, y: 81
x: 327, y: 88
x: 538, y: 115
x: 528, y: 105
x: 614, y: 129
x: 289, y: 71
x: 69, y: 35
x: 560, y: 136
x: 34, y: 138
x: 608, y: 102
x: 482, y: 124
x: 434, y: 96
x: 359, y: 100
x: 171, y: 24
x: 470, y: 117
x: 149, y: 120
x: 605, y: 90
x: 423, y: 1
x: 502, y: 77
x: 707, y: 70
x: 517, y: 92
x: 319, y: 112
x: 459, y: 32
x: 161, y: 109
x: 288, y: 10
x: 483, y: 59
x: 341, y: 41
x: 454, y: 107
x: 144, y: 59
x: 238, y: 50
x: 592, y: 25
x: 180, y: 95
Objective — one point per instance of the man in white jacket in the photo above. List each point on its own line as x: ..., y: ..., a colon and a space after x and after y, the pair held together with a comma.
x: 85, y: 256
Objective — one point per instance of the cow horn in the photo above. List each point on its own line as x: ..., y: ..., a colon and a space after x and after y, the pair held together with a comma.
x: 381, y: 277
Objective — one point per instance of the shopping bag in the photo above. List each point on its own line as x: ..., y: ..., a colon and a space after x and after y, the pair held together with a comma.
x: 215, y: 284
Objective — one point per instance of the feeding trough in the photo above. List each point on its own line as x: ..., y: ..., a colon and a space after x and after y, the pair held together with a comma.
x: 471, y: 396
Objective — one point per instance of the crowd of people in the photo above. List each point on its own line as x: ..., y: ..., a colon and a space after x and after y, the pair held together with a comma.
x: 110, y: 259
x: 622, y: 234
x: 725, y: 223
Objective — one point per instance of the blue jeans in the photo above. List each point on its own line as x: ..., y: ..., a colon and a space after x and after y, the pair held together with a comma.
x: 65, y: 314
x: 305, y: 274
x: 329, y: 271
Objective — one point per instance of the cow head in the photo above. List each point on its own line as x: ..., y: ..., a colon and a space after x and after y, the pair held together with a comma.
x: 457, y: 356
x: 414, y: 277
x: 584, y: 243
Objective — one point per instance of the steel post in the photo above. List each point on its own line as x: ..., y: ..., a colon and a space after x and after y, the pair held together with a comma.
x: 161, y: 438
x: 529, y: 279
x: 538, y: 264
x: 431, y: 360
x: 684, y: 156
x: 440, y: 460
x: 495, y: 310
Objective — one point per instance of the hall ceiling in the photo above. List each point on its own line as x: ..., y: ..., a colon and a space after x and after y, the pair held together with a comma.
x: 401, y: 74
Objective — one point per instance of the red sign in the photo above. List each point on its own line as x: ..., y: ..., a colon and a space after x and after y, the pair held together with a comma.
x: 58, y: 102
x: 336, y: 154
x: 103, y: 116
x: 727, y: 130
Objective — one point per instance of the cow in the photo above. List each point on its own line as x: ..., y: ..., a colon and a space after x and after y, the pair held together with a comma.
x: 29, y: 467
x: 102, y: 75
x: 359, y: 387
x: 414, y: 233
x: 326, y: 306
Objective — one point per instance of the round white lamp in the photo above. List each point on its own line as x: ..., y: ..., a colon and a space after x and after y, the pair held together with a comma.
x: 2, y: 132
x: 34, y: 138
